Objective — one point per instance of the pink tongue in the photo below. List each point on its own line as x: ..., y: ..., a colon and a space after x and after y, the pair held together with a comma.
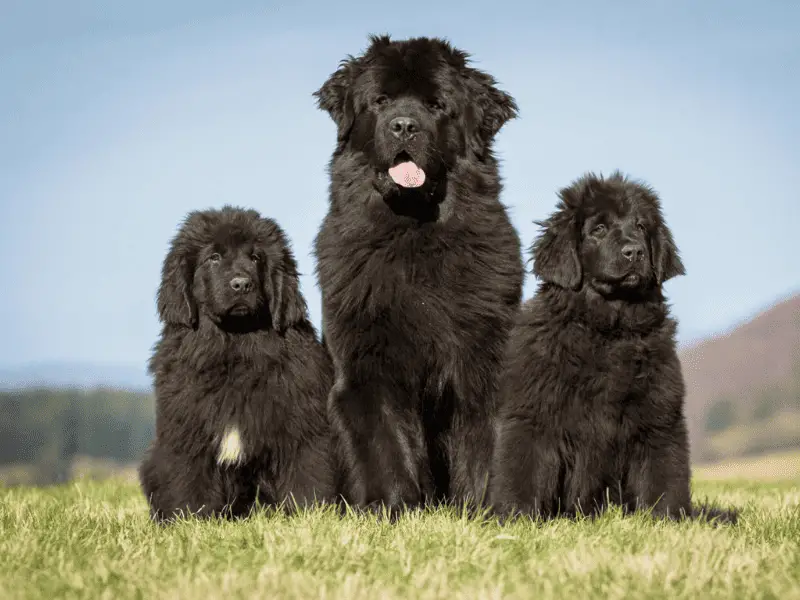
x: 407, y: 174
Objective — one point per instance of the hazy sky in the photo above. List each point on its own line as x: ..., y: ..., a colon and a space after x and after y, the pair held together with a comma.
x: 116, y: 121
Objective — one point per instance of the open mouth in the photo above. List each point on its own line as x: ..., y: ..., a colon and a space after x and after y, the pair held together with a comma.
x: 401, y: 158
x: 405, y: 172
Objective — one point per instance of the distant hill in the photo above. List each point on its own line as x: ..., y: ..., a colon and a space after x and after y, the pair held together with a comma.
x: 750, y: 376
x: 75, y: 375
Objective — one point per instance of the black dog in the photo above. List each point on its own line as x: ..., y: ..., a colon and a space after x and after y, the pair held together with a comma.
x: 420, y: 270
x: 240, y: 378
x: 592, y: 405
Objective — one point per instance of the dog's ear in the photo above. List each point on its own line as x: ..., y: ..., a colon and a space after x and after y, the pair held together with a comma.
x: 286, y: 304
x: 667, y: 262
x: 175, y: 301
x: 335, y: 97
x: 555, y: 252
x: 499, y: 108
x: 495, y: 109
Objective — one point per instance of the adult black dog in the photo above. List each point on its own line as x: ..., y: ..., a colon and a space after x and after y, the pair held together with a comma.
x: 420, y: 270
x: 240, y: 378
x: 592, y: 404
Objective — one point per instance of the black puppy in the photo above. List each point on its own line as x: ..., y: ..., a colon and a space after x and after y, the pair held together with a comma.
x: 240, y: 378
x: 592, y: 403
x: 420, y: 270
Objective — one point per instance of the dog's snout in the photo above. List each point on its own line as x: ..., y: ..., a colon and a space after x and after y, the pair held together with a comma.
x: 403, y: 127
x: 241, y: 284
x: 633, y: 251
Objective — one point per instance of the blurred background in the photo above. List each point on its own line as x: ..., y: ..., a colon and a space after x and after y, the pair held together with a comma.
x: 118, y: 118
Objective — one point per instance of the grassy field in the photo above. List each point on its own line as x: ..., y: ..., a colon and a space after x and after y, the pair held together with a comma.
x: 93, y: 540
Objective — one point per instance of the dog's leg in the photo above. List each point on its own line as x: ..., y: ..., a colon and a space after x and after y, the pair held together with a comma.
x: 153, y: 486
x: 470, y: 448
x: 176, y: 486
x: 308, y: 477
x: 526, y: 470
x: 583, y: 490
x: 381, y: 445
x: 659, y: 473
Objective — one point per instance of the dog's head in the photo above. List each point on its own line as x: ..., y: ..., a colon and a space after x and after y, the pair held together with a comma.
x: 609, y: 234
x: 234, y: 267
x: 412, y: 108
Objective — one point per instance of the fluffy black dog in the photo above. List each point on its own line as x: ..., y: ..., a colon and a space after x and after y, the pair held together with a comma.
x: 240, y: 378
x: 420, y: 270
x: 592, y: 403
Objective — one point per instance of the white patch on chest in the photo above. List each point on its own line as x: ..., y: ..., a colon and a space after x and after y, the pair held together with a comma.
x: 231, y: 449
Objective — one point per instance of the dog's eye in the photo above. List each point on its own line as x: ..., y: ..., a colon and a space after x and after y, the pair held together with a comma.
x: 599, y: 229
x: 436, y: 104
x: 215, y: 258
x: 380, y: 100
x: 642, y: 227
x: 255, y: 258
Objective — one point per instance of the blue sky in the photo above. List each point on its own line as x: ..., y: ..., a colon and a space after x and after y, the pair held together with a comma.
x: 117, y: 120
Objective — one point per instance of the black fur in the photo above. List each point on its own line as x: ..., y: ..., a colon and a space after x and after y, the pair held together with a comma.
x: 592, y: 401
x: 248, y: 359
x: 419, y: 286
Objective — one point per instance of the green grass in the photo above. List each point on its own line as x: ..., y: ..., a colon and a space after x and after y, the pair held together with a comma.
x: 94, y: 540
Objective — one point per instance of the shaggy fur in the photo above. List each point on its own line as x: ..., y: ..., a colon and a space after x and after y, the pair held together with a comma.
x: 240, y: 378
x: 592, y: 404
x: 419, y: 284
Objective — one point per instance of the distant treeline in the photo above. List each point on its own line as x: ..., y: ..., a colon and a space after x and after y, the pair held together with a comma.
x: 754, y: 422
x: 47, y: 429
x: 44, y: 433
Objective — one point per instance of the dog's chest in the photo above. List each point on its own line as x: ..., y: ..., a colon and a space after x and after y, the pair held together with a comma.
x: 628, y: 363
x: 428, y: 269
x: 614, y: 375
x: 244, y: 411
x: 230, y: 447
x: 242, y: 423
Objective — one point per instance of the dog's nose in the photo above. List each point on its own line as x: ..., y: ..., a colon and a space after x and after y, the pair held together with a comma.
x: 241, y: 284
x: 403, y: 127
x: 632, y: 251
